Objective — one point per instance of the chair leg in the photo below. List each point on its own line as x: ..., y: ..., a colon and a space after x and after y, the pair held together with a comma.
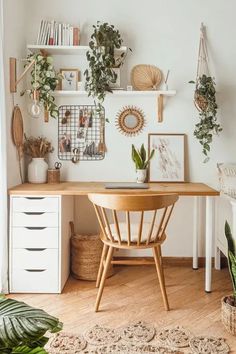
x: 161, y: 278
x: 103, y: 257
x: 102, y: 282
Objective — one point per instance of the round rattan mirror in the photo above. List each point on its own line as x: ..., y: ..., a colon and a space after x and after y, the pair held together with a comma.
x: 130, y: 121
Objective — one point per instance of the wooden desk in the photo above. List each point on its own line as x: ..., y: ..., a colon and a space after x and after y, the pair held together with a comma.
x: 196, y: 190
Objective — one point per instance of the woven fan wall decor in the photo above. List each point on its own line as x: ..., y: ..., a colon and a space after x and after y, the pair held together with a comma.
x: 18, y: 135
x: 146, y: 77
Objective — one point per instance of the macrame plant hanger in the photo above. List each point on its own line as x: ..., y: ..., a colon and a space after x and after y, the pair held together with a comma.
x: 202, y: 69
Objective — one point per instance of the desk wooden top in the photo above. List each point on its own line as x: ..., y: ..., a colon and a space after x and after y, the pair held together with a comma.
x: 84, y: 188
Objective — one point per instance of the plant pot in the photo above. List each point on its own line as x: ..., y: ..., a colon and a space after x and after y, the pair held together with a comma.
x: 228, y: 316
x: 141, y: 176
x: 37, y: 170
x: 200, y: 102
x: 117, y: 83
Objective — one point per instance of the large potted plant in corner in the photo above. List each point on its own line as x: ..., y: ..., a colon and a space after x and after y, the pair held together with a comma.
x: 205, y: 101
x: 139, y: 156
x: 228, y: 314
x: 23, y: 327
x: 103, y: 58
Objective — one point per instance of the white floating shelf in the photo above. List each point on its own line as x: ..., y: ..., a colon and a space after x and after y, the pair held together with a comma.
x: 118, y: 93
x: 64, y: 50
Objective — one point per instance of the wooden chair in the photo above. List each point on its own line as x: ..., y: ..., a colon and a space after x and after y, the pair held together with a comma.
x: 127, y: 235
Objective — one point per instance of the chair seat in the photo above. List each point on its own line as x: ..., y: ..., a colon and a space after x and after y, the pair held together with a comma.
x: 134, y: 231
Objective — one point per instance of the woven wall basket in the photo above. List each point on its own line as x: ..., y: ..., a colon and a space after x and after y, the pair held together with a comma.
x: 228, y: 316
x: 86, y: 254
x: 146, y: 77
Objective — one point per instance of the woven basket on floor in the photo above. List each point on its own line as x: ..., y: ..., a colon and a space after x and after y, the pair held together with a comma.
x: 228, y: 316
x: 86, y: 254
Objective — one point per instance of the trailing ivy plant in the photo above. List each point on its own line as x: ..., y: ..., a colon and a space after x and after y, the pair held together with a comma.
x: 44, y: 79
x: 205, y: 101
x: 102, y: 60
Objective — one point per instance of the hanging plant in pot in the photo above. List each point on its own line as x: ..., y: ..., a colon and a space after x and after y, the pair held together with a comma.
x: 228, y: 309
x: 141, y: 161
x: 103, y: 61
x: 205, y: 100
x: 44, y: 81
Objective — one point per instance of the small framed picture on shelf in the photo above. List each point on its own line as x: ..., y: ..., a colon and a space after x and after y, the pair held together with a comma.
x: 69, y: 81
x: 168, y: 163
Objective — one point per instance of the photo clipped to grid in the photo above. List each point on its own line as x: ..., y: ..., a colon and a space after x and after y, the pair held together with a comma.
x: 80, y: 131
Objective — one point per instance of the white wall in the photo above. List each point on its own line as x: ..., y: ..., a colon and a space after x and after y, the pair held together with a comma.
x: 164, y: 33
x: 15, y: 29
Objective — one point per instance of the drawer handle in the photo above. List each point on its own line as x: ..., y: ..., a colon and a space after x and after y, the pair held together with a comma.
x: 35, y: 270
x: 35, y: 228
x: 34, y: 198
x: 36, y: 249
x: 33, y: 213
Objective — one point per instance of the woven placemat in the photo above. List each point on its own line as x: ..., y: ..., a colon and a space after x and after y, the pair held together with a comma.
x: 138, y: 337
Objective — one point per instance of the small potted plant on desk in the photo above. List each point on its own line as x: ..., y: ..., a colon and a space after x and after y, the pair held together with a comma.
x: 228, y: 313
x: 141, y: 162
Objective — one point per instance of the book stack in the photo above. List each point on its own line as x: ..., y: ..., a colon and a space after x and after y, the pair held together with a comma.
x: 56, y: 33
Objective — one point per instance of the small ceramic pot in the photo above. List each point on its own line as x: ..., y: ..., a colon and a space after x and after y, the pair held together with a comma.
x: 37, y: 170
x: 141, y: 175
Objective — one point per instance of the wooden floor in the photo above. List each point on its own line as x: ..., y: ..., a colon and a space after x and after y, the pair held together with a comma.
x: 133, y: 294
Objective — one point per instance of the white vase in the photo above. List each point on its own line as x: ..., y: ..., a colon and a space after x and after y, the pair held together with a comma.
x: 141, y: 175
x: 37, y: 170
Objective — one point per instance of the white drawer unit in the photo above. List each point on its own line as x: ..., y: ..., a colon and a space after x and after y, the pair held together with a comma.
x: 39, y: 243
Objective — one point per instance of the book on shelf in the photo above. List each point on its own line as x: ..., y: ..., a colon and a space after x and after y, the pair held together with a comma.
x: 58, y: 33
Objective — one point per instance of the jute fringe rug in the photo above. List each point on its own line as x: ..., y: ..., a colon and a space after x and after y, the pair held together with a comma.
x: 138, y: 337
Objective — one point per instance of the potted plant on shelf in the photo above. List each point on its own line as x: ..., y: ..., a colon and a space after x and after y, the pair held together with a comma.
x: 23, y: 327
x: 103, y: 61
x: 205, y: 102
x: 228, y: 312
x: 38, y: 149
x: 44, y: 81
x: 141, y: 162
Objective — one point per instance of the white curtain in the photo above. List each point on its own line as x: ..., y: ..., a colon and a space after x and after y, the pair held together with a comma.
x: 3, y: 170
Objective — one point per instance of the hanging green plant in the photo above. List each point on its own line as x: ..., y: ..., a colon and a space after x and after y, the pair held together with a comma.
x: 205, y: 101
x: 44, y: 80
x: 102, y: 60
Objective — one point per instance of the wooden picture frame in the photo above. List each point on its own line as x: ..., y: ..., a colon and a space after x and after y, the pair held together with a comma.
x: 70, y: 80
x: 169, y: 161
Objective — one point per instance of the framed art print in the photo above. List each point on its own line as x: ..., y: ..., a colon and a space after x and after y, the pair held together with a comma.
x: 168, y: 162
x: 70, y: 78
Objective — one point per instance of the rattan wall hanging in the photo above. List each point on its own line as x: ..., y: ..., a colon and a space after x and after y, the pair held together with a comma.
x: 81, y: 133
x: 130, y: 121
x: 146, y: 77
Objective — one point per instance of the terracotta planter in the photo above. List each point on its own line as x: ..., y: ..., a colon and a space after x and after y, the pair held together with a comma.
x: 228, y: 316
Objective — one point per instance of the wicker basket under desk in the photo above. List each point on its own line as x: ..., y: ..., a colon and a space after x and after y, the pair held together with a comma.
x: 86, y: 251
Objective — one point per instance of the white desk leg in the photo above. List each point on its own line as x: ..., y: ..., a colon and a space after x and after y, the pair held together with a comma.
x: 195, y: 232
x: 209, y: 239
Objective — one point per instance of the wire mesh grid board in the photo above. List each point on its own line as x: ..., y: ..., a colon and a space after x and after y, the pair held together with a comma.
x: 81, y: 130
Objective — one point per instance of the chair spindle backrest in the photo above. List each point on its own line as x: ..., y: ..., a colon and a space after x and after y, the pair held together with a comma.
x: 114, y: 230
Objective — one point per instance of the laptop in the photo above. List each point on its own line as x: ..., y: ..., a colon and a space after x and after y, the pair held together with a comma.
x: 126, y: 185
